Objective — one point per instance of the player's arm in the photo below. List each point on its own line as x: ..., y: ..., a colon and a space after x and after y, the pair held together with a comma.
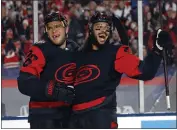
x: 121, y: 30
x: 133, y: 67
x: 130, y: 64
x: 29, y: 82
x: 144, y: 70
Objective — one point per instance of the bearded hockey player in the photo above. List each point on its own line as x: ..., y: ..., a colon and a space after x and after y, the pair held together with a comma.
x: 100, y: 67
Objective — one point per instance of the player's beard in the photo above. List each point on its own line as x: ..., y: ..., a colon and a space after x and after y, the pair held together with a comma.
x: 92, y: 41
x: 95, y: 42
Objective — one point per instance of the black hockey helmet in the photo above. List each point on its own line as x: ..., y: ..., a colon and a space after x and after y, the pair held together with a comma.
x: 55, y: 16
x: 100, y: 17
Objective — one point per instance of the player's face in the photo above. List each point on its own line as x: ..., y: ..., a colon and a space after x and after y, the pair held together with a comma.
x: 56, y: 32
x: 101, y: 31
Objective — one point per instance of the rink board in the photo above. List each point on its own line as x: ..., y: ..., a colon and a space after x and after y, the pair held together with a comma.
x: 160, y: 120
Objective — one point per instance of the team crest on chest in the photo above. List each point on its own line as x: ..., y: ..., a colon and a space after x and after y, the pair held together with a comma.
x: 66, y: 73
x: 87, y: 73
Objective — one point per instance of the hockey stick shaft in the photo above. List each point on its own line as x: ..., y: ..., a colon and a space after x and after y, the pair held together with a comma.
x: 164, y: 61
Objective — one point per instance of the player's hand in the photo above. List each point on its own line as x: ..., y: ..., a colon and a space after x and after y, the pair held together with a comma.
x: 60, y: 92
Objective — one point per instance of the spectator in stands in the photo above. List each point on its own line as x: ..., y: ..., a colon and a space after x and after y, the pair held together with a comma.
x: 171, y: 20
x: 148, y: 23
x: 78, y: 10
x: 27, y: 43
x: 92, y: 7
x: 11, y: 56
x: 41, y: 26
x: 25, y: 30
x: 115, y: 40
x: 134, y: 46
x: 103, y: 7
x: 75, y: 32
x: 133, y: 31
x: 123, y: 10
x: 84, y: 19
x: 8, y: 14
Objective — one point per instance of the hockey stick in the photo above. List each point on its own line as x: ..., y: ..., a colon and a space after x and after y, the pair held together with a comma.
x: 164, y: 61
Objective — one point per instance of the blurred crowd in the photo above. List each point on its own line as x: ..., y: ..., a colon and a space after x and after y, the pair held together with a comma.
x: 17, y: 24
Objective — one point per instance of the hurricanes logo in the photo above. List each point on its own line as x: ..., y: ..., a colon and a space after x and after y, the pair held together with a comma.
x: 87, y: 73
x: 66, y: 73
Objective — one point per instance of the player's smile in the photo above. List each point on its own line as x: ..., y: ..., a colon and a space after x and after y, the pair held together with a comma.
x: 55, y: 36
x: 102, y: 37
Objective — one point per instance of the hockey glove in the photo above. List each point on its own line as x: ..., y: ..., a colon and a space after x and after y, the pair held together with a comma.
x: 162, y: 40
x: 60, y: 92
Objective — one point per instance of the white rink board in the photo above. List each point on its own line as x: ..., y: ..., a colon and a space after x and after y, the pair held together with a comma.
x: 136, y: 122
x: 123, y: 122
x: 15, y: 124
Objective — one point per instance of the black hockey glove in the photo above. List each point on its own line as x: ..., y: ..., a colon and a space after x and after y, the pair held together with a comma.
x: 162, y: 40
x: 60, y: 92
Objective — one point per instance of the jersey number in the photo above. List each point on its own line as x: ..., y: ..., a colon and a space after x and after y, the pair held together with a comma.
x: 29, y: 58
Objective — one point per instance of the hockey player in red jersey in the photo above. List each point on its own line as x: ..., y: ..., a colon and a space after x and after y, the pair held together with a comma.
x: 99, y: 70
x: 47, y: 76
